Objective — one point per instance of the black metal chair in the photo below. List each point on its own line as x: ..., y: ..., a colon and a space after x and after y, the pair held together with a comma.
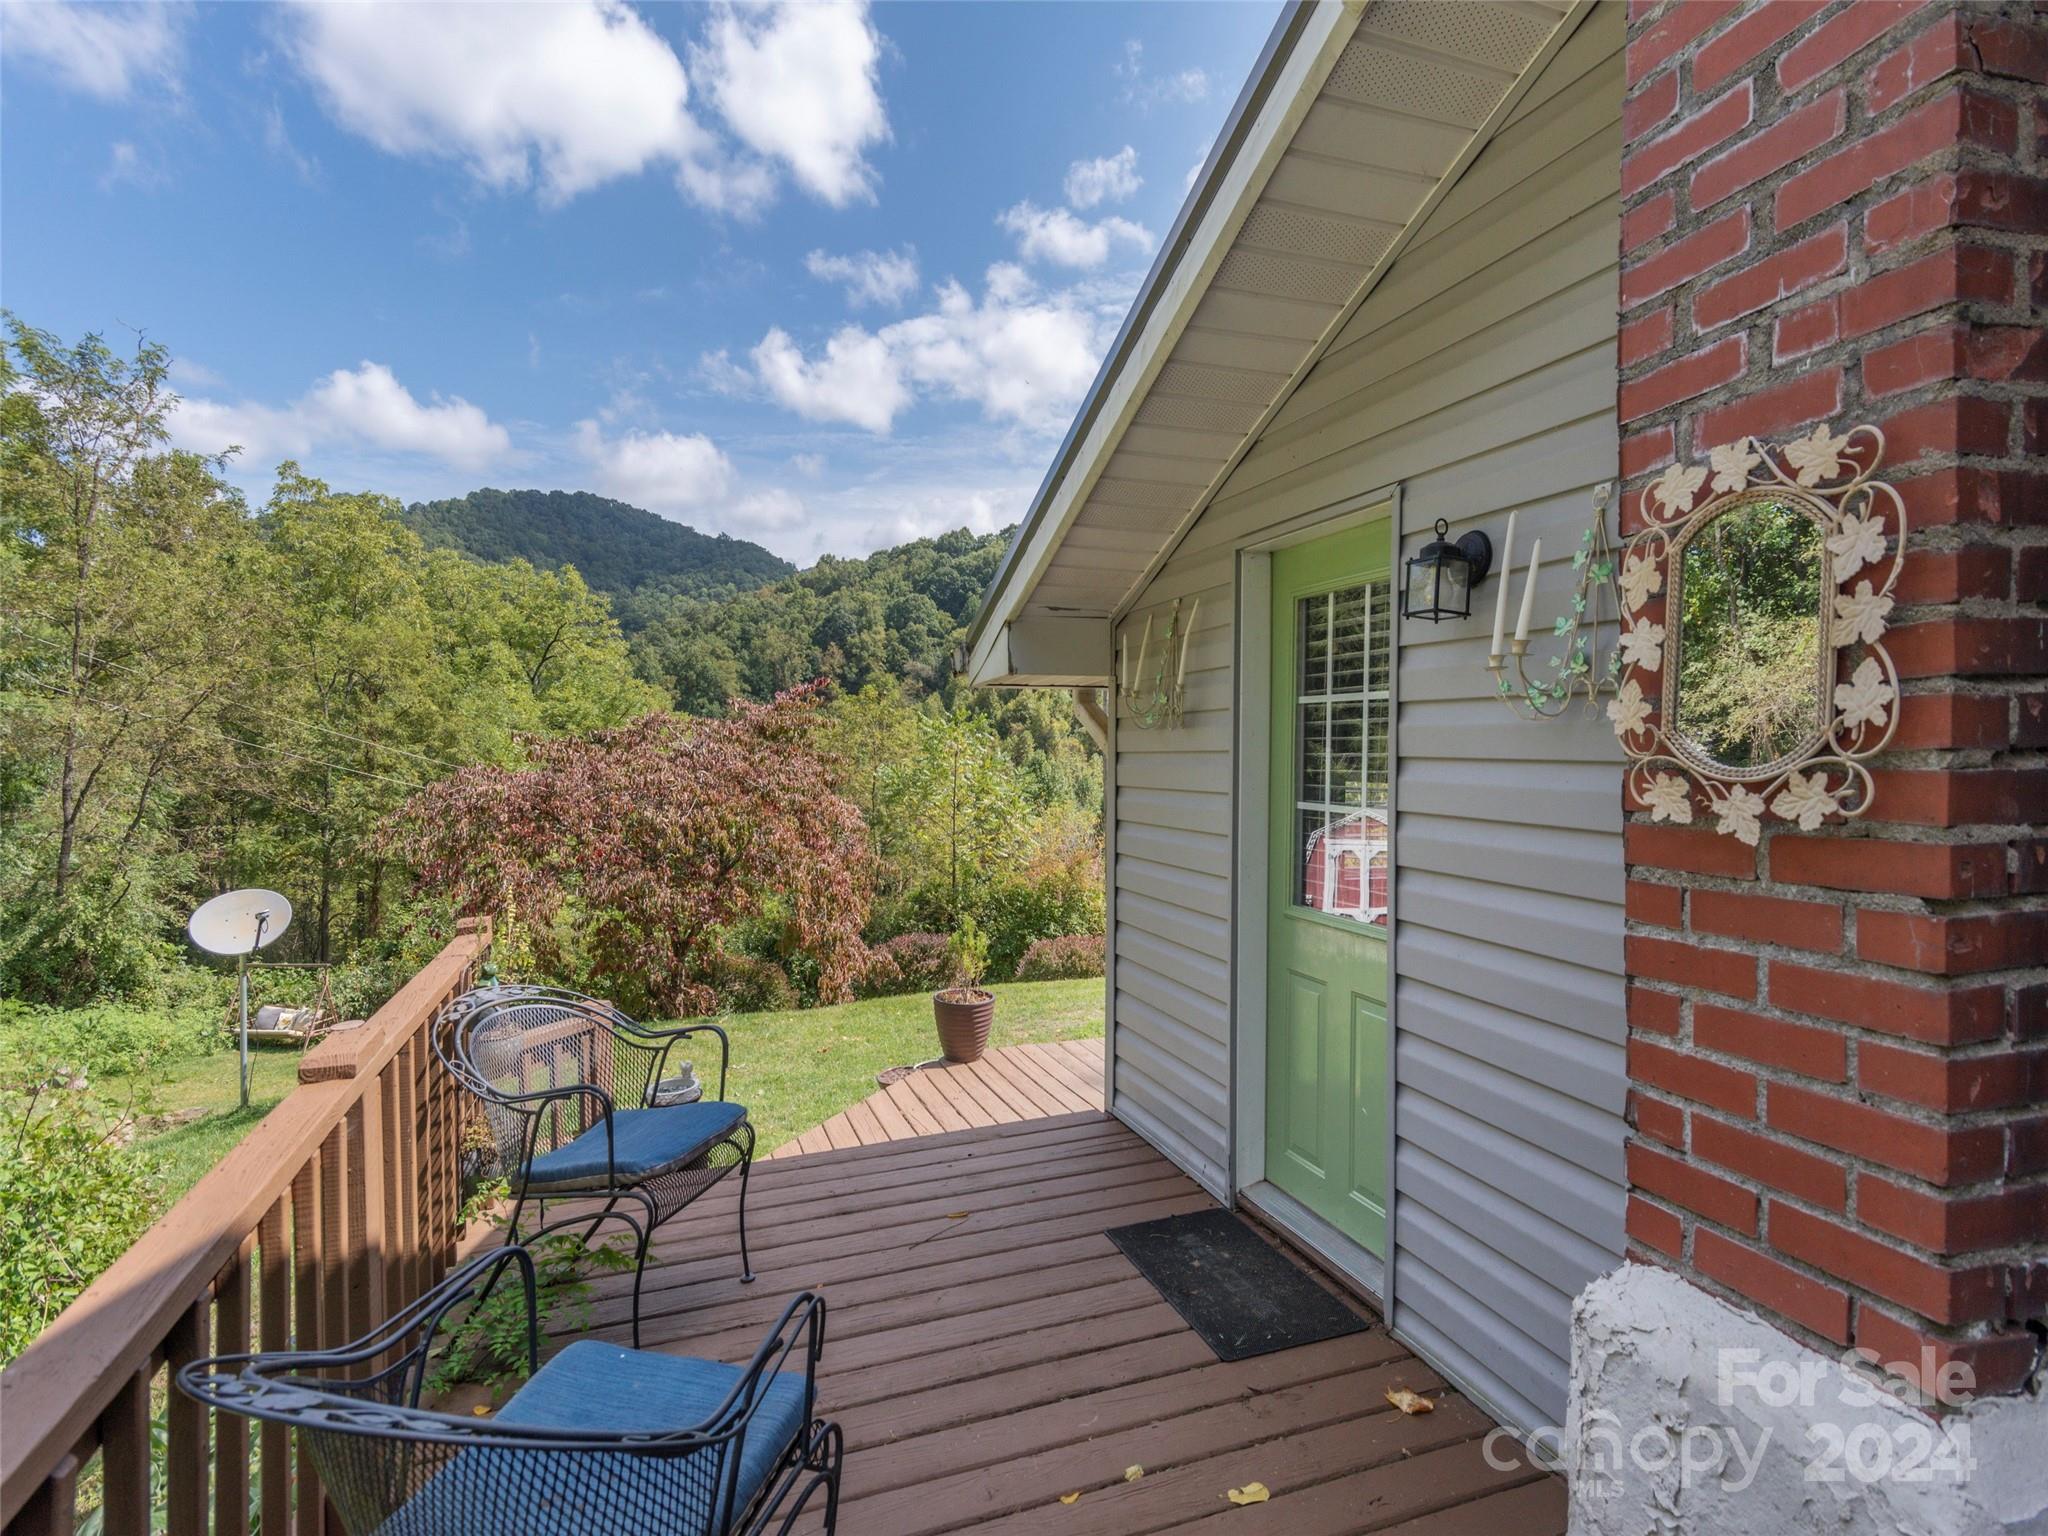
x: 573, y: 1092
x: 600, y: 1441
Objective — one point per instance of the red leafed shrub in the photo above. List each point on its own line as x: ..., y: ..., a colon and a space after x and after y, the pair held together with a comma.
x: 910, y: 962
x: 626, y: 854
x: 1065, y: 958
x: 745, y: 984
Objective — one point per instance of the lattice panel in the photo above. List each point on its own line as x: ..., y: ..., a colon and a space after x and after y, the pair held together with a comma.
x: 1265, y: 274
x: 1244, y: 386
x: 1198, y: 415
x: 1467, y: 29
x: 1407, y: 82
x: 1289, y: 230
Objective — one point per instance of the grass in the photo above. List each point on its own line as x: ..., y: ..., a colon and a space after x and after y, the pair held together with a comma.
x: 797, y: 1070
x: 211, y: 1083
x: 792, y: 1070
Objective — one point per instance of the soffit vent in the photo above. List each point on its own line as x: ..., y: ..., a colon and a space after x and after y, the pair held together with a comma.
x: 1486, y: 34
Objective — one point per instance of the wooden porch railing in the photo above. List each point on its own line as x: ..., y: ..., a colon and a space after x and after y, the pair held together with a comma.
x: 341, y: 1205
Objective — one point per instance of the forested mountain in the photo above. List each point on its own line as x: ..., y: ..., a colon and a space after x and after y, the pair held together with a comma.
x: 892, y: 617
x: 616, y: 548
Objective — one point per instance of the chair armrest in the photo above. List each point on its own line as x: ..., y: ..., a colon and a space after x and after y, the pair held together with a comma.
x: 671, y: 1036
x: 802, y: 1323
x: 241, y: 1383
x: 534, y: 1104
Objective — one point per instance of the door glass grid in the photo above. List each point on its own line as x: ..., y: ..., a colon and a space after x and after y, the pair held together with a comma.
x: 1340, y: 790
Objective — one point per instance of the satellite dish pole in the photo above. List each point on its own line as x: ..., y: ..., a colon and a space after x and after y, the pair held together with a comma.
x: 239, y: 924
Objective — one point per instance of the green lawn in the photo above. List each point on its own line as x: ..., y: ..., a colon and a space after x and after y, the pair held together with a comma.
x: 791, y: 1070
x: 797, y: 1070
x: 211, y: 1083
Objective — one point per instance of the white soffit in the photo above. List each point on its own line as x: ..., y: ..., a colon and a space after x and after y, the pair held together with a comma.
x: 1360, y: 147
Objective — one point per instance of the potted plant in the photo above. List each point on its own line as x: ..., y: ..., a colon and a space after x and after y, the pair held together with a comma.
x: 965, y: 1009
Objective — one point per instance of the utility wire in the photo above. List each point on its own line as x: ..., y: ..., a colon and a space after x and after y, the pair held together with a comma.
x: 214, y: 730
x: 275, y: 714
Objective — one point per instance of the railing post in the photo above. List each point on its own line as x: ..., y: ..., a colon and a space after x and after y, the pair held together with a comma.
x: 231, y: 1431
x: 186, y: 1463
x: 52, y: 1510
x: 125, y: 1447
x: 274, y: 1331
x: 308, y: 1272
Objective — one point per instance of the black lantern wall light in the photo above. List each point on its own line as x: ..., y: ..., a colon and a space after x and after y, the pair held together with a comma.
x: 1442, y: 576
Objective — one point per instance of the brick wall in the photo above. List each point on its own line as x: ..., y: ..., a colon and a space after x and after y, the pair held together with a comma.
x: 1838, y: 1041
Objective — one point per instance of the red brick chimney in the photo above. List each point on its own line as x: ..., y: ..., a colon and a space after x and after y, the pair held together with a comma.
x: 1838, y: 1040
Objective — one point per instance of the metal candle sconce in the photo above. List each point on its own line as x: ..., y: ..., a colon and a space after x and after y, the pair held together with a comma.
x: 1576, y: 668
x: 1148, y: 706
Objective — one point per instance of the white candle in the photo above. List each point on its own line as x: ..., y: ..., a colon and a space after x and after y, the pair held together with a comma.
x: 1144, y: 644
x: 1500, y: 598
x: 1185, y: 636
x: 1529, y: 590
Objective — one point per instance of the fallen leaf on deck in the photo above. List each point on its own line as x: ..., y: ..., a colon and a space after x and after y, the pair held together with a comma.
x: 1410, y: 1402
x: 1068, y: 1498
x: 958, y: 1215
x: 1133, y: 1473
x: 1250, y: 1493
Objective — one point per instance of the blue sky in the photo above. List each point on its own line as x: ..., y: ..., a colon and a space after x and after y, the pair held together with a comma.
x: 817, y: 275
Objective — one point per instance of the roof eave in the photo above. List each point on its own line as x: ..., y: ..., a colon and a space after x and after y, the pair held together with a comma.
x: 1192, y: 232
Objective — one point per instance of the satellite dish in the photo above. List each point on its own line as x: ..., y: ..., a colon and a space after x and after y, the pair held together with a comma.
x: 240, y: 923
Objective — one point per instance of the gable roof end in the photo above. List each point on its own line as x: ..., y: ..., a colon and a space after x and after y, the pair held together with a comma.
x: 1357, y: 119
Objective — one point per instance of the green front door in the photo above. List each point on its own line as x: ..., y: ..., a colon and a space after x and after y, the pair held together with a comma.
x: 1327, y: 914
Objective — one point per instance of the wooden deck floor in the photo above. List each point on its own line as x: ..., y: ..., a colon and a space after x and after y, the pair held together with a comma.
x: 1018, y: 1082
x: 989, y: 1350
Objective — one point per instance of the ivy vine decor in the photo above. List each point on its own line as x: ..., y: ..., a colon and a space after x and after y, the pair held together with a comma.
x: 1805, y: 762
x: 1152, y: 701
x: 1576, y: 668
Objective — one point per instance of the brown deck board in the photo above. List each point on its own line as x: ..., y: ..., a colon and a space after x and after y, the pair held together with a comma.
x: 988, y: 1349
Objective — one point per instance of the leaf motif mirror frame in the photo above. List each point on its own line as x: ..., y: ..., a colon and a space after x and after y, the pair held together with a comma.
x: 1830, y: 479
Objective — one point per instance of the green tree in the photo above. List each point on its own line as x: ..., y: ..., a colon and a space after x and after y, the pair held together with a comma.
x: 130, y: 568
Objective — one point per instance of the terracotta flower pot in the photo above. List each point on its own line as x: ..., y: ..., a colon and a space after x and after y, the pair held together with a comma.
x: 964, y: 1015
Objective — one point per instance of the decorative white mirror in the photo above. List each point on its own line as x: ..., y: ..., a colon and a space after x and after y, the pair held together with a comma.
x: 1754, y: 679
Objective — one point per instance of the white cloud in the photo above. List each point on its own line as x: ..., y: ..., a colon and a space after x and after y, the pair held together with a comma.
x: 567, y: 96
x: 857, y: 379
x: 570, y: 95
x: 128, y: 166
x: 869, y: 277
x: 809, y: 465
x: 368, y: 402
x: 1145, y: 90
x: 1020, y: 355
x: 739, y: 188
x: 926, y: 513
x: 365, y: 405
x: 1107, y: 178
x: 798, y: 83
x: 1058, y: 235
x: 723, y: 376
x: 665, y: 472
x: 102, y: 50
x: 683, y: 476
x: 1023, y: 355
x: 766, y: 509
x: 277, y: 138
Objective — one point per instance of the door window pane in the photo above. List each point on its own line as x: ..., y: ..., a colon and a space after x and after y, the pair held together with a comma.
x: 1340, y: 782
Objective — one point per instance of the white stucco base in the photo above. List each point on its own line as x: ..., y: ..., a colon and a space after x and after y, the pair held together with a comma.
x: 1689, y: 1415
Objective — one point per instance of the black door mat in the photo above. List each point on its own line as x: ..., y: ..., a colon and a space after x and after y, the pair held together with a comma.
x: 1240, y: 1293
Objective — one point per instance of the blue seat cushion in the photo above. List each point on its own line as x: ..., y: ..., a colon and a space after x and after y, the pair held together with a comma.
x: 644, y: 1144
x: 605, y: 1389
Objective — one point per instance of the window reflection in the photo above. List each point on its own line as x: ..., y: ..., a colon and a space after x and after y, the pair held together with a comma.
x: 1340, y: 844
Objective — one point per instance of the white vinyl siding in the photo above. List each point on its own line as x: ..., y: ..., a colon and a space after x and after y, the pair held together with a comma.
x: 1478, y: 376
